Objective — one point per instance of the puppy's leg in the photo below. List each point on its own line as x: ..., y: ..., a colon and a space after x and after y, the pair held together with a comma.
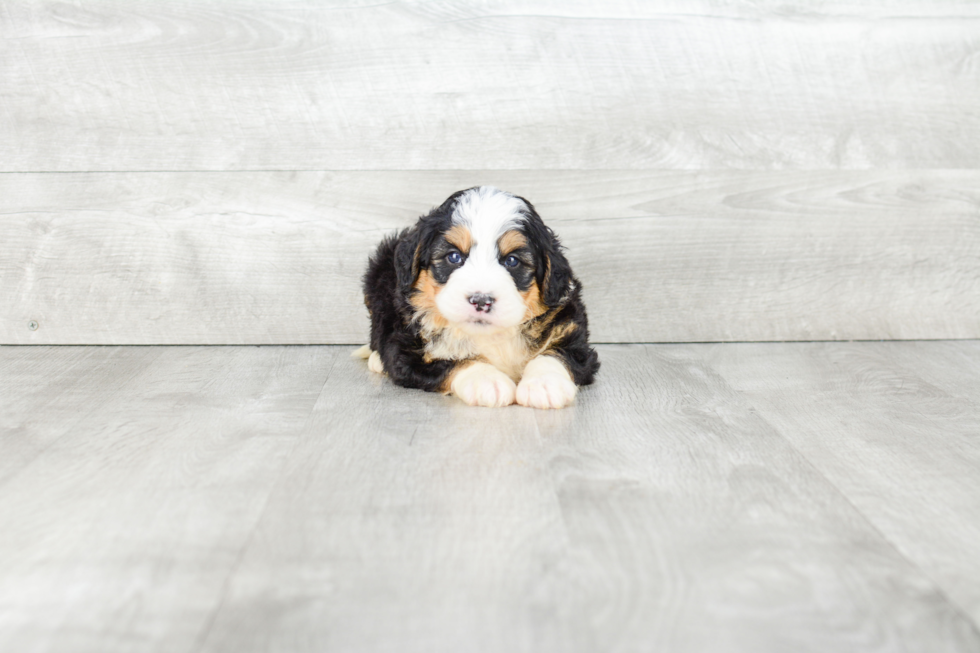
x: 373, y: 358
x: 375, y: 364
x: 482, y: 384
x: 546, y: 384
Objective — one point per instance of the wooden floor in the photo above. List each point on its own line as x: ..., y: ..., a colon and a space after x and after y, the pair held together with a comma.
x: 726, y: 497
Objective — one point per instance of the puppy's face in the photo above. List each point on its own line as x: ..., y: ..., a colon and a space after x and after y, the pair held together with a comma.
x: 483, y: 262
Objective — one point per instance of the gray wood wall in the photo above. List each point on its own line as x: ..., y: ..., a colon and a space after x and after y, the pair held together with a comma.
x: 186, y: 172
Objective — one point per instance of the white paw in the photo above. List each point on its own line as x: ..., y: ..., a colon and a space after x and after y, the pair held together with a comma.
x: 482, y: 384
x: 546, y: 384
x: 374, y: 363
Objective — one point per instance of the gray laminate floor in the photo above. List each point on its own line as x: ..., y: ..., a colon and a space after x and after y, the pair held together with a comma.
x: 738, y: 497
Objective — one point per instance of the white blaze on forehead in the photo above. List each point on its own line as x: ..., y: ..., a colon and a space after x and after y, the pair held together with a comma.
x: 488, y: 213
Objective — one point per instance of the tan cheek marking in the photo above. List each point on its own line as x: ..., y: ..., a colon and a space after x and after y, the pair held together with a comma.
x: 532, y: 300
x: 510, y: 241
x: 427, y: 289
x: 424, y: 302
x: 461, y: 238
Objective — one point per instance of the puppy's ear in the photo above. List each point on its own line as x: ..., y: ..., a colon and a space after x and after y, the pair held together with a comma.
x: 408, y: 256
x: 553, y: 274
x: 556, y: 276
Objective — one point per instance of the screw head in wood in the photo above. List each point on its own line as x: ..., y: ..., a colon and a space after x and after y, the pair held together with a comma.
x: 33, y: 325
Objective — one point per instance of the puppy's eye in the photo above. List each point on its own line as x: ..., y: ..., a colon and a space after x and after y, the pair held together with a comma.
x: 454, y: 258
x: 511, y: 261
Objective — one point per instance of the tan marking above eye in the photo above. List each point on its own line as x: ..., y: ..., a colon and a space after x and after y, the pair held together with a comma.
x: 510, y: 241
x: 460, y: 237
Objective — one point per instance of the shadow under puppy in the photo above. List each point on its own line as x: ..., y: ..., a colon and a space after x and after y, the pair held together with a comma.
x: 478, y: 300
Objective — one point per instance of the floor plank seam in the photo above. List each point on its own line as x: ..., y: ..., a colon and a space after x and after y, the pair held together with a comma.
x: 936, y: 586
x: 202, y: 638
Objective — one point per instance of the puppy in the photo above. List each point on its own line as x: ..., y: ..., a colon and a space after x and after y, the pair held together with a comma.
x: 478, y: 300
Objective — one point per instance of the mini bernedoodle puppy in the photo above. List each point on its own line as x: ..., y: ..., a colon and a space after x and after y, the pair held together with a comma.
x: 478, y: 300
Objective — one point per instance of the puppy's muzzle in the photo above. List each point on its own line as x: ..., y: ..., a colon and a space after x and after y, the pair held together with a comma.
x: 481, y: 302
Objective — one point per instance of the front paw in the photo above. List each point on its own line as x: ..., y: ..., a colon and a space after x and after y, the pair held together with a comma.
x: 482, y: 384
x: 546, y: 384
x: 375, y: 364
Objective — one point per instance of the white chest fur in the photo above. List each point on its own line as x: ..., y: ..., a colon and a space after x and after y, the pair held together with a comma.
x: 506, y: 350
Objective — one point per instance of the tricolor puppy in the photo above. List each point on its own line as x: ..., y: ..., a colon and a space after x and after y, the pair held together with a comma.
x: 478, y: 300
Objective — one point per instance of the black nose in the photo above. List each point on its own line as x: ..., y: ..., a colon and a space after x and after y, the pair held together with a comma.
x: 481, y: 302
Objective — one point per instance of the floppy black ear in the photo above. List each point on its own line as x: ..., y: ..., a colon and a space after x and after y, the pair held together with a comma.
x: 553, y: 274
x: 408, y: 255
x: 558, y: 282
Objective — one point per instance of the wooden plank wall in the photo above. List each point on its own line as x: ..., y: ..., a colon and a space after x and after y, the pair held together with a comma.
x: 183, y: 172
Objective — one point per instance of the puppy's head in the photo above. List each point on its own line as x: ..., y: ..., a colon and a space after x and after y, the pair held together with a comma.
x: 482, y: 262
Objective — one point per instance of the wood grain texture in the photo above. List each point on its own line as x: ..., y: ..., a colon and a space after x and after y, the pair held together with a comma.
x: 283, y: 498
x: 121, y: 534
x: 237, y: 258
x: 674, y: 467
x: 895, y: 426
x: 45, y: 393
x: 615, y: 557
x: 144, y: 85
